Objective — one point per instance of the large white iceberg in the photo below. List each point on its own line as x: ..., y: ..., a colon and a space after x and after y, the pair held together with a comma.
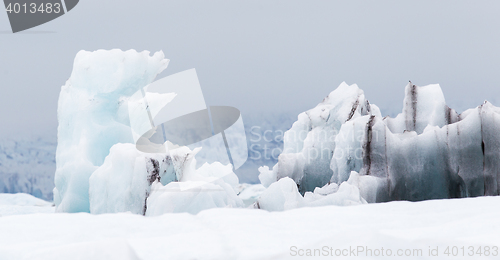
x: 106, y: 161
x: 310, y: 143
x: 119, y: 132
x: 429, y: 151
x: 93, y: 116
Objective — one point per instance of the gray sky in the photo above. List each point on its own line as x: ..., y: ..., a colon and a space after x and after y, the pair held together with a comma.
x: 281, y: 56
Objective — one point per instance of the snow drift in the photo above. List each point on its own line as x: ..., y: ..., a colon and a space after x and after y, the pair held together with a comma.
x: 256, y: 234
x: 22, y: 203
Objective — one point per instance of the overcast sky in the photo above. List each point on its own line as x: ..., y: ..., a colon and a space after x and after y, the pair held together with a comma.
x: 259, y: 56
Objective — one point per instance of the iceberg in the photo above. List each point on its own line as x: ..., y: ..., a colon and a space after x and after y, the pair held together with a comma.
x: 172, y: 198
x: 309, y: 145
x: 93, y: 116
x: 209, y: 186
x: 123, y: 182
x: 154, y: 184
x: 124, y: 140
x: 249, y: 193
x: 429, y: 151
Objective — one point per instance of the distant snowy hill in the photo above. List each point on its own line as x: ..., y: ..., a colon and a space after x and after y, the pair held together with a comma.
x: 27, y: 165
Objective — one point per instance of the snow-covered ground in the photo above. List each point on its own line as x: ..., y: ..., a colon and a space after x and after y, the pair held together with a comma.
x: 415, y: 228
x: 22, y: 203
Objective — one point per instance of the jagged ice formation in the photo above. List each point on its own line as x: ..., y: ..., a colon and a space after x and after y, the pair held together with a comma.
x: 429, y: 151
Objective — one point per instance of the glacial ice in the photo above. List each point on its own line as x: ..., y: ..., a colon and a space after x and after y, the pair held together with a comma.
x: 124, y: 181
x: 429, y: 151
x: 422, y: 106
x: 342, y: 152
x: 284, y: 195
x: 173, y: 198
x: 210, y: 186
x: 93, y: 116
x: 153, y: 184
x: 249, y: 193
x: 309, y: 144
x: 266, y: 176
x: 281, y: 195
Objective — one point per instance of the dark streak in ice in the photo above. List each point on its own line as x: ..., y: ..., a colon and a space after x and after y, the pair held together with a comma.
x: 153, y: 168
x: 367, y: 146
x: 353, y: 109
x: 448, y: 115
x: 145, y: 208
x: 414, y: 105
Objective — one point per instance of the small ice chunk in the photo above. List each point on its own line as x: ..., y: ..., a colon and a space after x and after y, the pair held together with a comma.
x: 266, y: 176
